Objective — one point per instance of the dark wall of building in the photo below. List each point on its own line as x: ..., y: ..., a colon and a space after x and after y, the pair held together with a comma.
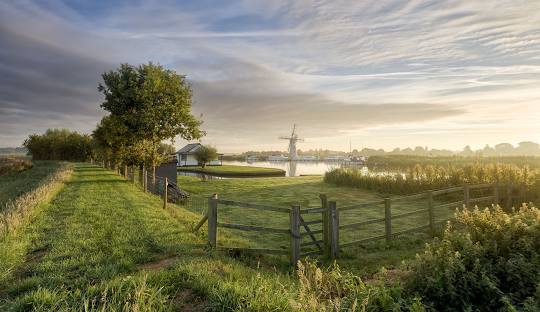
x: 167, y: 170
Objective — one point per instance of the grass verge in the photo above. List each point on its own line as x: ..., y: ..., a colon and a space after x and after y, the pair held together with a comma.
x: 235, y: 171
x: 101, y: 243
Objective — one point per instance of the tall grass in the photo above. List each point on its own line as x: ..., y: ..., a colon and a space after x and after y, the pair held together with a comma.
x: 420, y: 178
x: 488, y: 261
x: 401, y: 162
x: 11, y: 165
x: 15, y: 211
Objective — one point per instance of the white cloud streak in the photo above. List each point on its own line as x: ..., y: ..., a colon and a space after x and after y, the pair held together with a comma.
x: 337, y: 68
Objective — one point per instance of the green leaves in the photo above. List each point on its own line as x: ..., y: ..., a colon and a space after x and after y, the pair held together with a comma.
x: 205, y: 154
x: 148, y: 104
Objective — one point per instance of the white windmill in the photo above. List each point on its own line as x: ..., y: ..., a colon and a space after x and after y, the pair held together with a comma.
x: 293, y: 155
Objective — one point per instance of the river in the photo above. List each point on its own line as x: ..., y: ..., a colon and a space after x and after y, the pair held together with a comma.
x: 292, y: 168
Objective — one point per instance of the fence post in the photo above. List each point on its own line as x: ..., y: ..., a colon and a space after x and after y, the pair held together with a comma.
x: 212, y: 220
x: 431, y: 213
x: 496, y: 194
x: 325, y: 224
x: 295, y: 234
x: 334, y: 234
x: 467, y: 196
x: 166, y: 183
x: 388, y: 219
x: 145, y: 179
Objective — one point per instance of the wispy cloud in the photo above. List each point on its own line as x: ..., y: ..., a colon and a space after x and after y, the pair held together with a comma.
x: 337, y: 68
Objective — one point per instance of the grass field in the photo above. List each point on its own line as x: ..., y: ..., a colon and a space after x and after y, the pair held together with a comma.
x: 101, y: 243
x: 284, y: 192
x: 235, y: 171
x: 13, y: 185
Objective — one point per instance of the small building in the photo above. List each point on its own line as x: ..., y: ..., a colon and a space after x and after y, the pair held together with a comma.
x: 186, y: 156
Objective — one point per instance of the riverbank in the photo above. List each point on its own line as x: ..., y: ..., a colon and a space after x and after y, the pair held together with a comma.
x: 234, y: 171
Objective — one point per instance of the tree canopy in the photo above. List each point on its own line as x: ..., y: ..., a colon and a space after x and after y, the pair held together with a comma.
x: 59, y: 144
x: 205, y: 154
x: 148, y: 104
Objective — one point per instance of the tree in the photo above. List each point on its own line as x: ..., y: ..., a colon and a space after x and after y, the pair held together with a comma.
x: 153, y: 103
x: 504, y: 149
x: 205, y: 154
x: 59, y: 144
x: 528, y: 148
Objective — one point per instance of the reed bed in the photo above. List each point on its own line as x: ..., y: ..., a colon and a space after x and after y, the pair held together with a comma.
x: 421, y: 178
x: 15, y: 211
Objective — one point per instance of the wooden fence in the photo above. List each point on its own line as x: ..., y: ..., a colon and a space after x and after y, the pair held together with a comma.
x: 327, y: 239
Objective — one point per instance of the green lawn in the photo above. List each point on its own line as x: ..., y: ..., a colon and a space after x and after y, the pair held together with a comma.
x: 102, y: 244
x: 284, y: 192
x: 235, y: 171
x: 14, y: 185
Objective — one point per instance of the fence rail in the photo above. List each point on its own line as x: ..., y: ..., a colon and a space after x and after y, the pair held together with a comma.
x: 325, y: 240
x: 329, y: 242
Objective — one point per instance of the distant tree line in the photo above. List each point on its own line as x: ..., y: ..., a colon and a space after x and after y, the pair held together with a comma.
x: 526, y: 148
x: 59, y: 144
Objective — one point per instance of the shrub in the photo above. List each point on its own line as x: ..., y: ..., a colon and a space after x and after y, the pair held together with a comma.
x: 491, y: 263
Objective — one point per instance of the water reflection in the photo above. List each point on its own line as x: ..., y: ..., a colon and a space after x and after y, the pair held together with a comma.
x: 292, y: 168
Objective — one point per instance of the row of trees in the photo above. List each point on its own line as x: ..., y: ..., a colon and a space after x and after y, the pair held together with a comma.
x: 526, y: 148
x: 147, y: 105
x: 60, y: 144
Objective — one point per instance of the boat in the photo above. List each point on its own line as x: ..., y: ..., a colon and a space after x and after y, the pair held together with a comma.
x: 337, y: 158
x: 308, y: 158
x: 277, y: 158
x: 251, y: 158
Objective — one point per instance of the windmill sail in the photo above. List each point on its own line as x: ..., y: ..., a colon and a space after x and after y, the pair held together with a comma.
x: 293, y: 154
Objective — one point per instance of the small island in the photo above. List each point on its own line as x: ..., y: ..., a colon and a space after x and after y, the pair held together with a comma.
x: 235, y: 171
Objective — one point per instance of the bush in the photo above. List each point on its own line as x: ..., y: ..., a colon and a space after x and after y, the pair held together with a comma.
x: 488, y: 261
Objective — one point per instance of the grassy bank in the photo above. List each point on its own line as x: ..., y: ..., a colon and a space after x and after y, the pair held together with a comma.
x: 235, y: 171
x: 15, y: 184
x: 284, y: 192
x: 101, y: 243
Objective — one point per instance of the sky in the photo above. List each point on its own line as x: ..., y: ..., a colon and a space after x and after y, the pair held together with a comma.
x: 379, y: 74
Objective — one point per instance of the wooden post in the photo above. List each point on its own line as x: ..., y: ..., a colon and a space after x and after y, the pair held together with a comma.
x: 388, y: 219
x: 495, y: 194
x: 334, y: 234
x: 295, y: 234
x: 431, y: 213
x: 212, y: 220
x: 466, y: 196
x: 325, y: 224
x: 165, y: 193
x: 145, y: 179
x: 126, y: 172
